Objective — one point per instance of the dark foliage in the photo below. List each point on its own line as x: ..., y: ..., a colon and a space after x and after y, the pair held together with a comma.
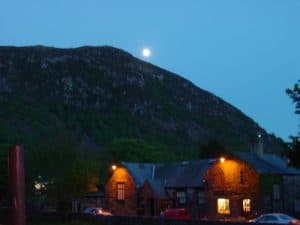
x: 293, y: 152
x: 293, y: 148
x: 212, y: 149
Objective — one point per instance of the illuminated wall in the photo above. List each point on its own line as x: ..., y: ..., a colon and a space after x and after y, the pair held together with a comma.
x: 231, y: 189
x: 121, y: 202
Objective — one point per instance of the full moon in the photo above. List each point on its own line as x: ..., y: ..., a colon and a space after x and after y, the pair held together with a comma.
x: 146, y: 52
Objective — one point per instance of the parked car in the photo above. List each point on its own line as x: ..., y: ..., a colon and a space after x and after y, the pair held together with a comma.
x: 277, y: 218
x: 176, y: 213
x: 96, y: 212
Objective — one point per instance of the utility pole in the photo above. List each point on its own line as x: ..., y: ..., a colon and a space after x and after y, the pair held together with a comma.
x: 16, y: 184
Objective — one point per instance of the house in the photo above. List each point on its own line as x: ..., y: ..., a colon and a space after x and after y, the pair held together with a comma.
x: 231, y: 189
x: 279, y: 183
x: 147, y: 188
x: 234, y: 187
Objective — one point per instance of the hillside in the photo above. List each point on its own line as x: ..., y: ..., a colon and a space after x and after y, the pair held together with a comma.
x: 99, y: 94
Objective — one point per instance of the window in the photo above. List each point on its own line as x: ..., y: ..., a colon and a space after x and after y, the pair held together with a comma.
x: 120, y: 191
x: 201, y: 198
x: 276, y: 192
x: 223, y: 206
x: 181, y: 196
x: 242, y: 179
x: 246, y: 205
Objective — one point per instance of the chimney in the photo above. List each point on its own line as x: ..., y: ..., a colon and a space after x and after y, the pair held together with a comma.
x: 153, y: 171
x: 259, y: 146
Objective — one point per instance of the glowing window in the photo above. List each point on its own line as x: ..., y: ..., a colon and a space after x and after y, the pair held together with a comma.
x: 223, y: 206
x: 246, y: 205
x: 120, y: 191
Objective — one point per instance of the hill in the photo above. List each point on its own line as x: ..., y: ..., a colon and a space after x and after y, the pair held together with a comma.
x: 97, y: 95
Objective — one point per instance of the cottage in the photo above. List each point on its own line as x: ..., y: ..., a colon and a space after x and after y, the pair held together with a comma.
x: 279, y: 183
x: 147, y: 189
x: 234, y: 187
x: 231, y: 189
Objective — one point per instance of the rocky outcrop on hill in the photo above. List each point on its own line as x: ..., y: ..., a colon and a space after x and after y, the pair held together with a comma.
x: 102, y: 93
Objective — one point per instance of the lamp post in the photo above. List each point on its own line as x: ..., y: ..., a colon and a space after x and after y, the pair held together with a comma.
x: 16, y: 184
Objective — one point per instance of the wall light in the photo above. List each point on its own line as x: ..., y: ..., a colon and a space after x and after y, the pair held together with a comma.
x: 222, y: 159
x: 114, y: 167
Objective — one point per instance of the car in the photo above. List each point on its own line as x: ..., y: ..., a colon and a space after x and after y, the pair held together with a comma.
x: 95, y: 211
x: 176, y: 213
x: 276, y: 218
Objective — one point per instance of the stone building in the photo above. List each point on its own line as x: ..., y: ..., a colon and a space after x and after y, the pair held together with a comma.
x: 233, y: 188
x: 279, y: 184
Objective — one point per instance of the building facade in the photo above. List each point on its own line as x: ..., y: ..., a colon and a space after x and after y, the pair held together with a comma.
x: 231, y: 189
x: 237, y: 187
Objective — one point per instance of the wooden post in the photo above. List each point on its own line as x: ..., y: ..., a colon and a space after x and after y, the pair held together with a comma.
x: 16, y: 182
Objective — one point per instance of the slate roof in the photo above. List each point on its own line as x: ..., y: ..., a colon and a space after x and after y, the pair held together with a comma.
x: 140, y: 172
x: 268, y: 163
x: 180, y: 174
x: 158, y: 188
x: 190, y: 174
x: 184, y: 174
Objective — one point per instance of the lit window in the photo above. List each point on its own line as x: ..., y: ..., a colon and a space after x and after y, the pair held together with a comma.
x: 246, y: 205
x: 181, y: 196
x: 120, y: 191
x: 223, y: 206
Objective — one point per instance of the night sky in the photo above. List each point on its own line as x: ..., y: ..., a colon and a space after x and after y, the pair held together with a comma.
x: 245, y: 51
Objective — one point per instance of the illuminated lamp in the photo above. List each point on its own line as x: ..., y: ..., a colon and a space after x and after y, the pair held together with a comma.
x: 222, y: 159
x: 114, y: 167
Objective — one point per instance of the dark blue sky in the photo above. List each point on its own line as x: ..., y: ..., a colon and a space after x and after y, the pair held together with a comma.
x: 244, y: 51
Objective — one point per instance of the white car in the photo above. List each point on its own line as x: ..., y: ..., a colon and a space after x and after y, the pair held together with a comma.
x: 277, y: 218
x: 97, y: 211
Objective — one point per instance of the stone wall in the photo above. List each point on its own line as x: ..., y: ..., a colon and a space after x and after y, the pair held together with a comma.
x: 128, y: 206
x: 233, y: 180
x: 291, y: 194
x: 151, y: 204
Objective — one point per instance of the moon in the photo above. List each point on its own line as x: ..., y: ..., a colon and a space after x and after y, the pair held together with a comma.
x: 146, y: 52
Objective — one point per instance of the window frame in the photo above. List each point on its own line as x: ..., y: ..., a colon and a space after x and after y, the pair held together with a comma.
x: 120, y: 191
x: 223, y: 206
x: 246, y: 205
x: 181, y: 196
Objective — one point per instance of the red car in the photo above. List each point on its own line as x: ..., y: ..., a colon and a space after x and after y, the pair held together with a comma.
x: 176, y: 213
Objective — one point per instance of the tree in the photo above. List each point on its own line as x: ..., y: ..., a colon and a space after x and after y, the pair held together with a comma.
x: 58, y: 170
x: 134, y: 150
x: 295, y: 96
x: 212, y: 149
x: 293, y: 150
